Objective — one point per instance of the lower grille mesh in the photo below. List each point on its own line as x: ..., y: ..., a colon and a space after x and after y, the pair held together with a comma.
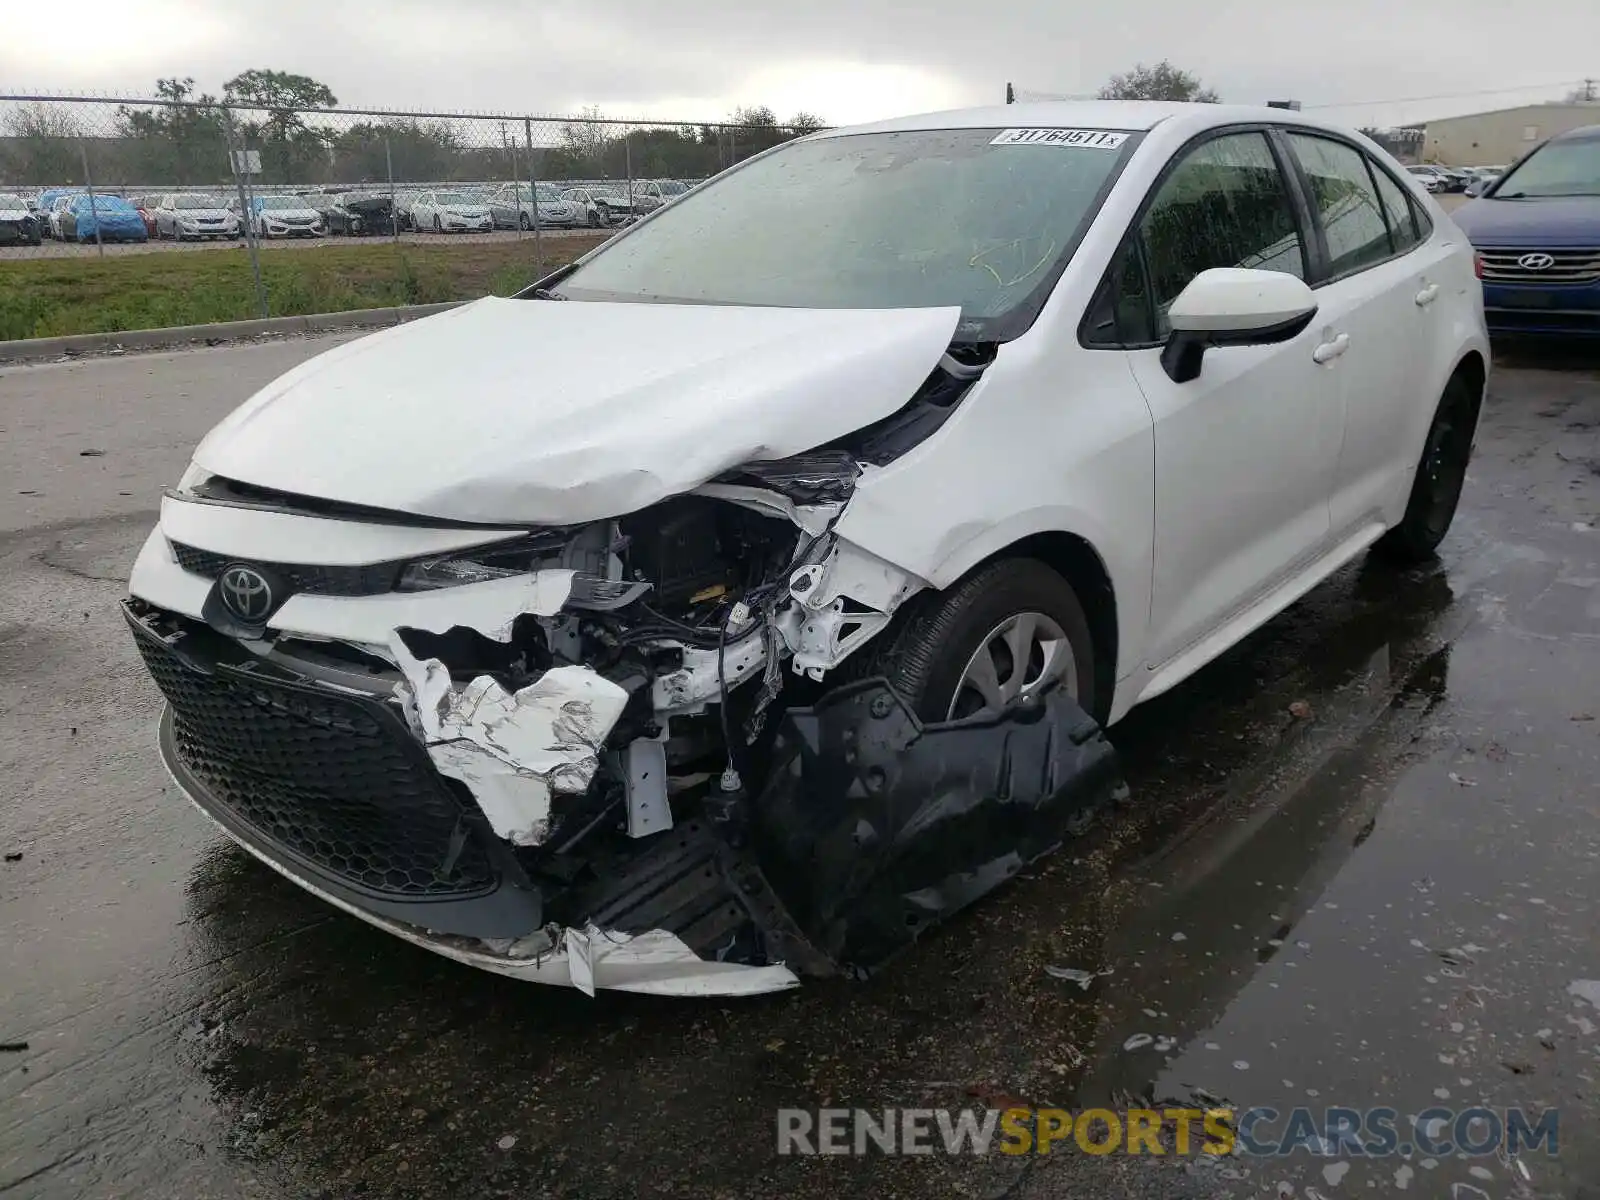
x: 335, y: 779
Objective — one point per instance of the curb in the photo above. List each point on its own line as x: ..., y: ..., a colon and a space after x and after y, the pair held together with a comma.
x: 30, y: 349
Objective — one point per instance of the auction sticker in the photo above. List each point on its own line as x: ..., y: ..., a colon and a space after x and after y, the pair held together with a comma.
x: 1096, y: 139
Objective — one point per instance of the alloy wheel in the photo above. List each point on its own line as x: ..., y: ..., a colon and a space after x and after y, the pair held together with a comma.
x: 1017, y: 659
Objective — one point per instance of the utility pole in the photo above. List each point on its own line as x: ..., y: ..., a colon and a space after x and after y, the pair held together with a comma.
x: 1589, y: 90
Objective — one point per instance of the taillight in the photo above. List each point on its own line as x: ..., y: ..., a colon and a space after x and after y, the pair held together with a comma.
x: 1477, y: 264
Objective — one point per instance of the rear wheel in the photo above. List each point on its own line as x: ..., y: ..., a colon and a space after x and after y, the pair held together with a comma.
x: 1008, y: 632
x: 438, y: 224
x: 1436, y: 488
x: 524, y: 223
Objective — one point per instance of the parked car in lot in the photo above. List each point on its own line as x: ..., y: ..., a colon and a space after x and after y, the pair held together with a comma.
x: 1536, y: 230
x: 194, y: 217
x: 603, y: 207
x: 283, y: 217
x: 658, y: 192
x: 360, y: 214
x: 44, y: 207
x: 1431, y: 178
x: 146, y: 208
x: 640, y: 639
x: 451, y: 212
x: 512, y: 207
x: 105, y: 218
x: 18, y: 225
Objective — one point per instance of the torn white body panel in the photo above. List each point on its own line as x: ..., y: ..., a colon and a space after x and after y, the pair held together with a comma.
x: 656, y: 962
x: 512, y: 749
x: 472, y: 431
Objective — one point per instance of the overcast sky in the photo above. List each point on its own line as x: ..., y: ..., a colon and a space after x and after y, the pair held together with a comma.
x: 846, y: 60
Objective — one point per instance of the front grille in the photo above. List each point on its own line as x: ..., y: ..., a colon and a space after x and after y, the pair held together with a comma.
x: 372, y: 580
x: 1570, y: 266
x: 337, y: 780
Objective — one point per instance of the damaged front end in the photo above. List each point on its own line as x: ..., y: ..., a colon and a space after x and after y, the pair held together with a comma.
x: 619, y: 753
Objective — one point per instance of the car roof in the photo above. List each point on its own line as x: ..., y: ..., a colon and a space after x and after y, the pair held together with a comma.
x: 1134, y: 115
x: 1588, y: 133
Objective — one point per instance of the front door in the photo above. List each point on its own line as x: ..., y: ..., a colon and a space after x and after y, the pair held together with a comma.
x: 1244, y: 454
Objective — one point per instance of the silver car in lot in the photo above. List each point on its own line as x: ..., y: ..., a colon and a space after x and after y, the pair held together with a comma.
x: 512, y: 207
x: 187, y: 217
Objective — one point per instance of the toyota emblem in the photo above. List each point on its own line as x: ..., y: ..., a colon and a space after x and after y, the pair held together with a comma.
x: 1536, y: 262
x: 246, y: 594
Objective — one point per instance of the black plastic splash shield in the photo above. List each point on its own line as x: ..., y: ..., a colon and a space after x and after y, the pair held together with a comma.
x: 873, y: 827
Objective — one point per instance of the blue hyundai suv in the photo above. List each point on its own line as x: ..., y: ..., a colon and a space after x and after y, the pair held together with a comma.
x: 1537, y: 233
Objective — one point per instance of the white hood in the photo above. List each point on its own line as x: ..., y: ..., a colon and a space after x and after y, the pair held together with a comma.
x: 297, y: 214
x: 546, y: 412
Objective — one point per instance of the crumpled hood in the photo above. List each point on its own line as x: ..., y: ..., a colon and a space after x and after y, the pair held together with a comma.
x: 548, y: 412
x: 1549, y: 224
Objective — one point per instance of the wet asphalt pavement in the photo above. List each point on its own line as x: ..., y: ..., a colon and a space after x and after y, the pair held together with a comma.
x: 1383, y: 896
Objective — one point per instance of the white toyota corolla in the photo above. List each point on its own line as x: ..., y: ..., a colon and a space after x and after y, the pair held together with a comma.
x: 742, y: 600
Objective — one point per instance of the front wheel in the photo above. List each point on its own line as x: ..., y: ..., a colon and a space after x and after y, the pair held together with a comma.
x: 1008, y: 632
x: 1436, y: 487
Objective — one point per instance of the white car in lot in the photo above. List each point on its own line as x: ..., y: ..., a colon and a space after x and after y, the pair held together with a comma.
x: 186, y: 217
x: 729, y: 607
x: 451, y: 212
x: 287, y: 216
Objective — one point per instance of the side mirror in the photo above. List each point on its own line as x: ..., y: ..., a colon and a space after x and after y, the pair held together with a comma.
x: 1233, y: 306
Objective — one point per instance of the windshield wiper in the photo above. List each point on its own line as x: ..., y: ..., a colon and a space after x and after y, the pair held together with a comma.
x: 546, y: 294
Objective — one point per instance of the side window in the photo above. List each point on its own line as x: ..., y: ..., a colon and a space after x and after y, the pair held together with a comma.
x: 1119, y: 315
x: 1224, y: 205
x: 1347, y: 206
x: 1397, y: 208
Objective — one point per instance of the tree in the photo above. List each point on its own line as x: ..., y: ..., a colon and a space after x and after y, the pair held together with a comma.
x: 1160, y: 82
x: 179, y: 142
x: 290, y: 147
x: 583, y: 145
x: 804, y: 122
x: 1588, y: 93
x: 43, y: 145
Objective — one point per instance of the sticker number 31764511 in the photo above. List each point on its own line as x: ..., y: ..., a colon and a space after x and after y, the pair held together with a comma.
x: 1094, y: 139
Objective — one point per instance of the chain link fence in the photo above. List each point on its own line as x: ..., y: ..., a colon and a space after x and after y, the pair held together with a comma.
x: 386, y: 207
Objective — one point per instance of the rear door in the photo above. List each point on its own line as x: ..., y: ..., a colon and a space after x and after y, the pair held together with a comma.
x: 1377, y: 283
x: 1244, y: 453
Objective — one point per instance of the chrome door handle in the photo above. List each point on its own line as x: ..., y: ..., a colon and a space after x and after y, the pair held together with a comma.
x: 1329, y: 351
x: 1427, y: 295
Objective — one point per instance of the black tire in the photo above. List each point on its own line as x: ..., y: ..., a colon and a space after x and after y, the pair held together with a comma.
x: 523, y: 223
x: 926, y: 656
x: 1436, y: 487
x: 438, y: 223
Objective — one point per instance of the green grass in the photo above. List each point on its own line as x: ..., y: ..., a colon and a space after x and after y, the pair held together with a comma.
x: 49, y: 297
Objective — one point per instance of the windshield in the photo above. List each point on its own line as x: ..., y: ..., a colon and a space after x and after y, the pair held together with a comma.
x: 925, y: 218
x: 7, y: 200
x: 193, y: 202
x: 673, y: 189
x: 1560, y: 168
x: 456, y: 198
x: 278, y: 202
